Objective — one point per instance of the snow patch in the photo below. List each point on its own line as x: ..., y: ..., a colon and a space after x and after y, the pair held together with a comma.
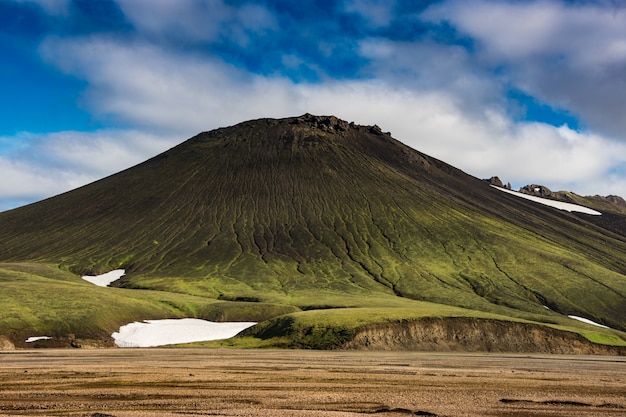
x: 584, y: 320
x: 552, y: 203
x: 37, y: 338
x: 151, y: 333
x: 105, y: 280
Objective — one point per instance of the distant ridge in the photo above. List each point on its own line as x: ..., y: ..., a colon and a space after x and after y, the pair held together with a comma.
x: 610, y: 202
x: 316, y: 213
x: 613, y: 206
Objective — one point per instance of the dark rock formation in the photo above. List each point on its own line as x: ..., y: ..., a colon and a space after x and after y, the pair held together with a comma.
x: 536, y: 190
x: 495, y: 181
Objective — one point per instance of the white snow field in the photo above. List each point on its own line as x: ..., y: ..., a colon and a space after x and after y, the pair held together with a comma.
x: 105, y: 280
x: 584, y: 320
x: 552, y: 203
x: 37, y: 338
x: 153, y: 333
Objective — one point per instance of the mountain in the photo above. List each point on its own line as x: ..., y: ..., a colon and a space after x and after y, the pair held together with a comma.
x: 310, y: 223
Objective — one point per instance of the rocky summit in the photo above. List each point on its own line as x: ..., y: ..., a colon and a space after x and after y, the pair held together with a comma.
x: 317, y: 228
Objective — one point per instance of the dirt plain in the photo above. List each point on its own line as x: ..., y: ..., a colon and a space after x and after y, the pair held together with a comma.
x: 224, y: 382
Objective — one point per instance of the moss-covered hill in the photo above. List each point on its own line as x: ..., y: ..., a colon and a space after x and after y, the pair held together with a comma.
x: 315, y: 213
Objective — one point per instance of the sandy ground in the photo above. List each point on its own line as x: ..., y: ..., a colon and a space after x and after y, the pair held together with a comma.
x: 193, y: 382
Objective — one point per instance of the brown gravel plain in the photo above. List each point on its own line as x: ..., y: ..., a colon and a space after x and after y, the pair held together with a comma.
x: 221, y: 382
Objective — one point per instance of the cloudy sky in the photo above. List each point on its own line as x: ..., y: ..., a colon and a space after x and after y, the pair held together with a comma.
x: 531, y: 91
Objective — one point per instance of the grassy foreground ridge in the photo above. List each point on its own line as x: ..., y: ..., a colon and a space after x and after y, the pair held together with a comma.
x: 314, y: 227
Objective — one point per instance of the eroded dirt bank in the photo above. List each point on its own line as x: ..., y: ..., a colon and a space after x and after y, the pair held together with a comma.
x: 6, y: 344
x: 215, y: 382
x: 473, y: 335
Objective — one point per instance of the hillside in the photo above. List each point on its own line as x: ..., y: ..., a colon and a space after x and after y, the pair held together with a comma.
x: 313, y: 213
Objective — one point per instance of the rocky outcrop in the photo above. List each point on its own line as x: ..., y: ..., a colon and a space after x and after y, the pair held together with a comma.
x: 496, y: 181
x: 325, y: 123
x: 333, y: 124
x: 474, y: 335
x: 537, y: 190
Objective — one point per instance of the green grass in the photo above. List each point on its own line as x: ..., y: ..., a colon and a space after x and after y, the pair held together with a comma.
x: 330, y: 329
x: 41, y: 300
x: 44, y: 300
x: 602, y: 338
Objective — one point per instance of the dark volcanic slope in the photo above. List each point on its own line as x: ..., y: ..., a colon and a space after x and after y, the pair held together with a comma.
x: 283, y: 209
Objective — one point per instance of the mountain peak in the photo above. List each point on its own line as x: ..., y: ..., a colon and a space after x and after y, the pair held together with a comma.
x: 333, y: 124
x: 325, y: 123
x: 320, y: 140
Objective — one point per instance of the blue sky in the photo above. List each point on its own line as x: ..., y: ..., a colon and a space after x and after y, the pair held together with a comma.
x: 531, y: 91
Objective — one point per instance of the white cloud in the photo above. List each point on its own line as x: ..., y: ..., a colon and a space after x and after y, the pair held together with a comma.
x: 521, y: 153
x: 588, y: 36
x: 377, y: 13
x: 101, y: 151
x: 572, y: 56
x: 48, y: 164
x: 430, y: 67
x: 21, y: 180
x: 163, y: 91
x: 199, y: 21
x: 182, y: 19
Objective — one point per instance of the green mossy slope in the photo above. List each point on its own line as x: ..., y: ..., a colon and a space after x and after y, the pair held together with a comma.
x: 314, y: 212
x: 41, y: 300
